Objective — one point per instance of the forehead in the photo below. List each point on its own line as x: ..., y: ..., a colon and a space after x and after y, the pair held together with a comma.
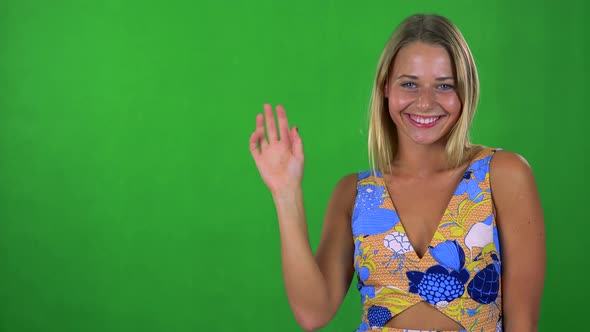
x: 421, y: 59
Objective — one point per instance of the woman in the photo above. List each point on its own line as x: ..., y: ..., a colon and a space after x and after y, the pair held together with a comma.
x: 443, y: 235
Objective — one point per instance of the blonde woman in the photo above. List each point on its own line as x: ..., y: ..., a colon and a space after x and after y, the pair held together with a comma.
x: 442, y: 235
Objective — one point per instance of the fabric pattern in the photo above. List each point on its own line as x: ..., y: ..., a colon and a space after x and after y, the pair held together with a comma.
x: 460, y: 274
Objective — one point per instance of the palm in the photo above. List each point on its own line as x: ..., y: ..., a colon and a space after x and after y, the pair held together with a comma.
x: 279, y: 158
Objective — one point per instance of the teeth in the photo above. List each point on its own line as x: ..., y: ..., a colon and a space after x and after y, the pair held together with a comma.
x: 424, y: 120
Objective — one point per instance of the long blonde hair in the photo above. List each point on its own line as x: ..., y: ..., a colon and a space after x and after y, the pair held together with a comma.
x: 435, y: 30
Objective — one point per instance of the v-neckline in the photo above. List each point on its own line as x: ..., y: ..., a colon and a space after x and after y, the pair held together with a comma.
x: 388, y: 194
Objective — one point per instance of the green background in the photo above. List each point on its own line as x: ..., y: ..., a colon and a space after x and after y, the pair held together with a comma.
x: 128, y: 197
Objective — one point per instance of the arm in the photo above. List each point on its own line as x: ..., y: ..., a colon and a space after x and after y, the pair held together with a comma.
x: 519, y: 217
x: 315, y: 285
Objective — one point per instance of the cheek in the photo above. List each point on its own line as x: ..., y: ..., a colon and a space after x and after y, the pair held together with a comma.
x: 451, y: 104
x: 398, y: 102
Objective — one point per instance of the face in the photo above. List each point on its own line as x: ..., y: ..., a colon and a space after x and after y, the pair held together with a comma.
x: 422, y: 99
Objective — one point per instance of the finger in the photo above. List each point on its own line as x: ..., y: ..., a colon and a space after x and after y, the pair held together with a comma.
x: 254, y: 138
x: 271, y: 127
x: 283, y: 124
x: 296, y: 142
x: 257, y: 137
x: 260, y: 131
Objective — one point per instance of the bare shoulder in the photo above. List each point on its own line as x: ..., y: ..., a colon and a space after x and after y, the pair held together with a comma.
x: 507, y: 169
x: 348, y: 181
x: 509, y: 160
x: 344, y: 193
x: 514, y: 188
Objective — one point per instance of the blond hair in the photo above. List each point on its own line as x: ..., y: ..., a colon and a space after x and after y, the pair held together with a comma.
x: 434, y: 30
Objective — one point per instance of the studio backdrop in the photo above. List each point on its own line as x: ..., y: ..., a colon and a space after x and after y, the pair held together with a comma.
x: 128, y: 197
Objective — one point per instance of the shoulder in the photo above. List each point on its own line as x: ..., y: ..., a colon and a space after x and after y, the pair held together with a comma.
x: 507, y: 167
x: 349, y: 179
x: 512, y: 181
x: 344, y: 193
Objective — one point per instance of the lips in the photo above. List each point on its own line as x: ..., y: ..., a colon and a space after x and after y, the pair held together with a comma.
x: 424, y: 121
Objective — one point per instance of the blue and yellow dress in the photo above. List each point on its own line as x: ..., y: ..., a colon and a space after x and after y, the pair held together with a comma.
x: 460, y: 274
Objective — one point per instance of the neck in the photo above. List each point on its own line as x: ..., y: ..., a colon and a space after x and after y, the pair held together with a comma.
x: 420, y: 160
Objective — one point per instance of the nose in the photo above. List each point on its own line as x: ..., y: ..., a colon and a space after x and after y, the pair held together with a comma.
x: 425, y: 99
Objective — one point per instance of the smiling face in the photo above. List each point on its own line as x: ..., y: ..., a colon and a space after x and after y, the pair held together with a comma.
x: 421, y: 94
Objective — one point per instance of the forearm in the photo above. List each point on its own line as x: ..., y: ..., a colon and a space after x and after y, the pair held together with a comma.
x: 304, y: 281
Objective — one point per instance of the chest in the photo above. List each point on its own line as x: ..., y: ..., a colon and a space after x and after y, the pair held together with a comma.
x: 421, y: 204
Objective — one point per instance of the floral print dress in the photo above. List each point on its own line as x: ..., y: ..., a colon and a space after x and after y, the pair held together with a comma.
x: 460, y: 274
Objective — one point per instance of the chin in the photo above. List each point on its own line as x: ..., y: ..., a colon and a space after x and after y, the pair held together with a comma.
x: 428, y: 140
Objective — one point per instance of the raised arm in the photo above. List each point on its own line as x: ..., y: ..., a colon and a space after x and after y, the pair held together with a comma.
x: 522, y: 240
x: 315, y: 285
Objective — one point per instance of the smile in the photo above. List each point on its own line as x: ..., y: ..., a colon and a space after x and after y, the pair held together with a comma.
x: 424, y: 121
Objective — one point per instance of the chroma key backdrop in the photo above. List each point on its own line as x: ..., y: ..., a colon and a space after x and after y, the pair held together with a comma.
x: 128, y: 197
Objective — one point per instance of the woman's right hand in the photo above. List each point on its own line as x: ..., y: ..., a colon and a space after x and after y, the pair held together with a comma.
x: 280, y: 158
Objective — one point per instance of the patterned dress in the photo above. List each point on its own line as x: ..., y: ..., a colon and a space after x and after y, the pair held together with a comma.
x: 460, y: 273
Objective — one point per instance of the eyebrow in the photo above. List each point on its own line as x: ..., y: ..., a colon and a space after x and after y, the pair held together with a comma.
x: 416, y: 77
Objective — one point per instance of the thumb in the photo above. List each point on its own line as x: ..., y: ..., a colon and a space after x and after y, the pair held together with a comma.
x: 296, y: 142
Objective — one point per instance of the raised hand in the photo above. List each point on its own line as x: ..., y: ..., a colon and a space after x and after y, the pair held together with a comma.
x: 280, y: 158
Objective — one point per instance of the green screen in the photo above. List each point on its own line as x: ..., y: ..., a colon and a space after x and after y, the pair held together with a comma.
x: 128, y: 197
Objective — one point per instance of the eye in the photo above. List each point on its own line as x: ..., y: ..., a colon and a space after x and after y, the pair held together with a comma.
x: 445, y: 86
x: 408, y: 85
